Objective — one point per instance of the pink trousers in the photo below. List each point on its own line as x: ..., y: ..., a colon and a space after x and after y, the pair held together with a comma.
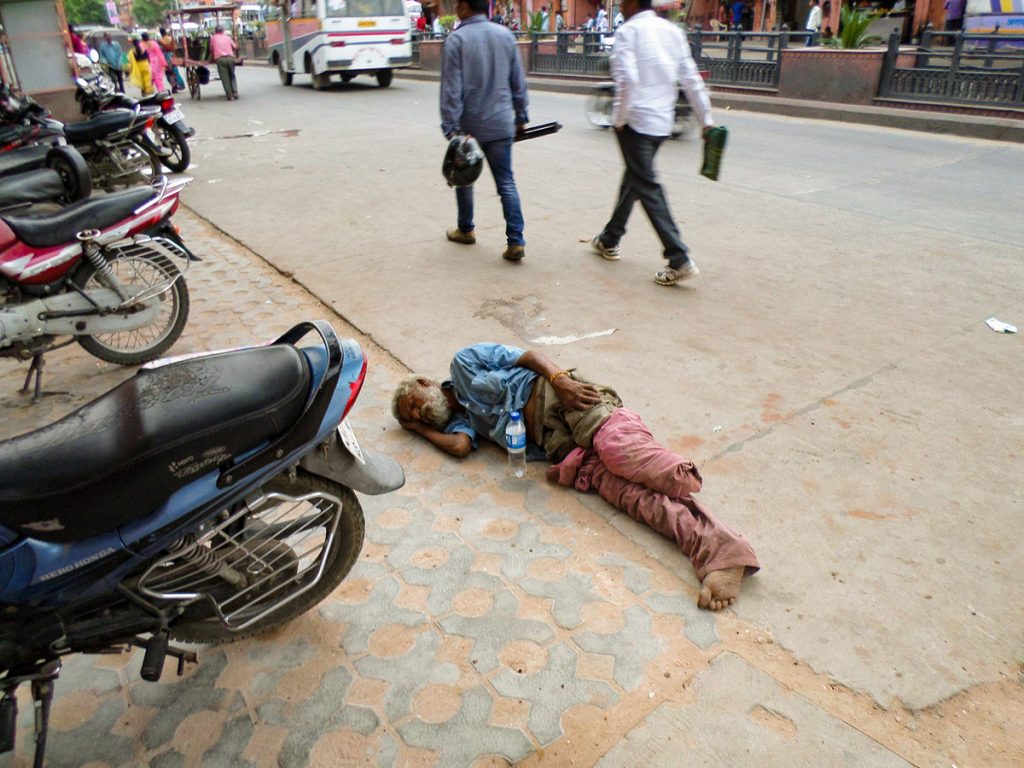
x: 636, y: 475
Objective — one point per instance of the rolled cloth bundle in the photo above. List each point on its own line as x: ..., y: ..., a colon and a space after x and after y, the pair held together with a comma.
x: 714, y: 146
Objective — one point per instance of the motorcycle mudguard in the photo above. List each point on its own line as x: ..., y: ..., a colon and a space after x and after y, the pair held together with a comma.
x: 166, y: 229
x: 374, y: 475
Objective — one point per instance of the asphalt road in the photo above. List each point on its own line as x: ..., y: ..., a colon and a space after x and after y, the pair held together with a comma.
x: 830, y: 370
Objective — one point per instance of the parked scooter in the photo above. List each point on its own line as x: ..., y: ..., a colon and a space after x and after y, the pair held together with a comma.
x: 168, y: 139
x: 204, y: 500
x: 110, y: 142
x: 107, y: 271
x: 41, y: 174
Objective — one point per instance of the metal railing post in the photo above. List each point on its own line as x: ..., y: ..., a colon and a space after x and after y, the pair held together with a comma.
x: 1018, y: 96
x: 695, y: 39
x: 954, y: 66
x: 926, y: 44
x: 889, y: 65
x: 991, y: 48
x: 738, y: 53
x: 780, y: 43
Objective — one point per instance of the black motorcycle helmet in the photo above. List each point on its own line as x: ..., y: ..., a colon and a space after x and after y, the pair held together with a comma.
x: 463, y: 162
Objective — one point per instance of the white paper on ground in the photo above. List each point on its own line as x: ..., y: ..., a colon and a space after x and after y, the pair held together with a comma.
x: 999, y: 326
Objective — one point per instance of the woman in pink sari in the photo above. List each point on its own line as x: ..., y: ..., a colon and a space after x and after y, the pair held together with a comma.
x: 157, y: 62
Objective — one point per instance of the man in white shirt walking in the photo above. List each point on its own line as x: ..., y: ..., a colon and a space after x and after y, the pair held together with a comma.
x: 650, y: 60
x: 813, y: 24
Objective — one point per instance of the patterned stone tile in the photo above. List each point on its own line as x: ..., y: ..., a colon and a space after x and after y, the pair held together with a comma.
x: 362, y: 619
x: 322, y: 712
x: 468, y: 735
x: 449, y: 578
x: 552, y: 690
x: 491, y: 630
x: 409, y: 673
x: 633, y: 646
x: 698, y: 626
x: 637, y: 578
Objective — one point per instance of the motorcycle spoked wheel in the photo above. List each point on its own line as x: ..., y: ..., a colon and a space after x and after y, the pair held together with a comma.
x: 140, y: 345
x: 172, y: 138
x: 199, y: 625
x: 599, y: 107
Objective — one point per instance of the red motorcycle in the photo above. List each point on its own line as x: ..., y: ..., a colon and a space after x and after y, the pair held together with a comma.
x: 107, y: 271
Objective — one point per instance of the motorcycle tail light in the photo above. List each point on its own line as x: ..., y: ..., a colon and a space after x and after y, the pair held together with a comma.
x: 167, y: 105
x: 149, y: 123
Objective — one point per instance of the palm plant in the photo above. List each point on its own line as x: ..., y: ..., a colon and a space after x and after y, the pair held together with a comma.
x: 853, y: 29
x: 536, y: 22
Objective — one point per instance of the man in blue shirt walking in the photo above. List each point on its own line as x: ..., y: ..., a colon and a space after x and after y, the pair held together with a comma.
x: 111, y: 56
x: 483, y: 94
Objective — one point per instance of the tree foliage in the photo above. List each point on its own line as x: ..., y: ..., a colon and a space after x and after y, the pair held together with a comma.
x: 86, y: 12
x: 150, y: 13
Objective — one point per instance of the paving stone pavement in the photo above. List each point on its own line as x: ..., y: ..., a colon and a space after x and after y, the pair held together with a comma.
x: 489, y: 621
x: 473, y: 622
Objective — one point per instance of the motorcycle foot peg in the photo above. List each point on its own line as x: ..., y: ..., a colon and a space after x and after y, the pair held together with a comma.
x: 153, y: 660
x: 8, y: 721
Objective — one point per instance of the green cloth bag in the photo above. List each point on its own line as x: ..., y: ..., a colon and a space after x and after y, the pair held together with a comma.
x: 714, y: 146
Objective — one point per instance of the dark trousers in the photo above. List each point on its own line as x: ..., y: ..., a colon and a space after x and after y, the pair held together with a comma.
x: 226, y: 68
x: 640, y: 183
x: 117, y: 75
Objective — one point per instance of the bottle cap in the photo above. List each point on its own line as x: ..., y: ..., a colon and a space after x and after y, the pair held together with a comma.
x: 515, y: 416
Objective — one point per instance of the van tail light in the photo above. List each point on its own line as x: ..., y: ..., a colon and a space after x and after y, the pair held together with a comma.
x: 338, y: 44
x: 397, y: 40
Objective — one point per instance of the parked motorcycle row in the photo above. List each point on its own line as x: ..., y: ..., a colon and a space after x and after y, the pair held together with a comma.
x: 104, y: 270
x: 207, y: 498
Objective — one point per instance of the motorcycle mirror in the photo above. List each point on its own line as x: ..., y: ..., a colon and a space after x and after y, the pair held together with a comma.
x: 93, y: 56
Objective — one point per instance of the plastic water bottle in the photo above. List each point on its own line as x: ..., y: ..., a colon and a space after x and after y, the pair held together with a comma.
x: 515, y: 441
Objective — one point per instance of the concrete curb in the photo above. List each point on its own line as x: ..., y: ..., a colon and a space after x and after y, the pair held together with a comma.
x: 970, y: 126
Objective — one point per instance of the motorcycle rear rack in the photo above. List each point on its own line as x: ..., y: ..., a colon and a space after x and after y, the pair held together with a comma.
x: 166, y: 248
x: 252, y: 561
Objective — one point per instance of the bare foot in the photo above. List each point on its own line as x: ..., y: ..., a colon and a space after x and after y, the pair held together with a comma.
x: 721, y: 588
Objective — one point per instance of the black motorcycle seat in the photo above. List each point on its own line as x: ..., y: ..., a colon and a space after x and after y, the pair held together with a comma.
x: 46, y: 230
x: 23, y: 159
x: 156, y: 99
x: 98, y: 126
x: 121, y: 457
x: 39, y: 186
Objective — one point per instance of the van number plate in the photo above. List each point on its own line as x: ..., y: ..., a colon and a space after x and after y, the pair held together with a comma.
x: 367, y: 23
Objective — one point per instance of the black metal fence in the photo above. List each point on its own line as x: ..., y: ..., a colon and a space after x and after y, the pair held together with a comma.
x: 743, y: 59
x: 571, y: 53
x: 956, y: 68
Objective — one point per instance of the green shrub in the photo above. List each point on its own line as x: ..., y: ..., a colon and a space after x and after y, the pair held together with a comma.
x: 853, y: 29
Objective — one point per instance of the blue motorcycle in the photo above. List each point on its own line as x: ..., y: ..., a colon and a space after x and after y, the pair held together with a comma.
x: 204, y: 500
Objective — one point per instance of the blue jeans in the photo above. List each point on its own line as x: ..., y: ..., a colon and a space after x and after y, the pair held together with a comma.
x: 499, y: 158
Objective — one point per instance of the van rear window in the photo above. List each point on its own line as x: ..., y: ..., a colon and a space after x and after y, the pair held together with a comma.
x: 362, y: 8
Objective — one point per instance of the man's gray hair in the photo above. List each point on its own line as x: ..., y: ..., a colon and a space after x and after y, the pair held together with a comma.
x: 406, y: 387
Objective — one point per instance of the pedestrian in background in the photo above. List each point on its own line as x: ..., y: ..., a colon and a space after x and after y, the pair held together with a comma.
x: 78, y: 45
x: 222, y: 51
x: 157, y: 61
x: 813, y: 24
x: 954, y: 15
x: 138, y: 62
x: 737, y: 14
x: 650, y: 60
x: 173, y: 75
x: 483, y: 94
x: 112, y: 58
